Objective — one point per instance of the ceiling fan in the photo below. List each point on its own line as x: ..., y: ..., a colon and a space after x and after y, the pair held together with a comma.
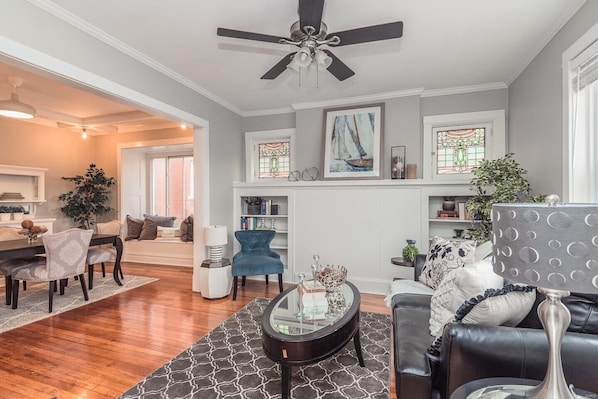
x: 81, y: 127
x: 310, y: 33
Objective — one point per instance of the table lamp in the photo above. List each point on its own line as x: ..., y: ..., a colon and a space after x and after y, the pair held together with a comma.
x: 216, y: 238
x: 553, y: 247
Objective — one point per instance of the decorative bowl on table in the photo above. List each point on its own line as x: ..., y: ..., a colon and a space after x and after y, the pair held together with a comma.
x: 332, y: 277
x: 31, y: 231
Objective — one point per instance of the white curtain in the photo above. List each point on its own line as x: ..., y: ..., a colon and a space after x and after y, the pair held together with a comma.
x: 584, y: 126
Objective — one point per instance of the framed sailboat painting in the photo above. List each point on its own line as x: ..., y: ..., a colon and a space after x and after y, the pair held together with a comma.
x: 353, y: 142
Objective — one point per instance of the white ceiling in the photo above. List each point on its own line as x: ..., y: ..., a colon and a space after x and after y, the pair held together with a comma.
x: 447, y: 46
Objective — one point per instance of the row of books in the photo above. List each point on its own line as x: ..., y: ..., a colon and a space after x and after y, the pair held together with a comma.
x: 267, y: 208
x: 253, y: 223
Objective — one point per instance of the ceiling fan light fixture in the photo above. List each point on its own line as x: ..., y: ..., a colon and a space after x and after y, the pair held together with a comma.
x: 14, y: 108
x: 322, y: 60
x: 303, y: 57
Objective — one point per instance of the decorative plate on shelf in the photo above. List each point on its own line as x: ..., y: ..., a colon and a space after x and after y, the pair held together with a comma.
x: 11, y: 196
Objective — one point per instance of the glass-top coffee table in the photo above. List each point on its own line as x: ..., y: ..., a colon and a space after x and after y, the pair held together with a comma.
x: 293, y: 338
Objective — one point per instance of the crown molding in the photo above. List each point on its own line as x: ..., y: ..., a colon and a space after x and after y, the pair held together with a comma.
x: 57, y: 11
x: 359, y: 99
x: 464, y: 89
x: 266, y: 112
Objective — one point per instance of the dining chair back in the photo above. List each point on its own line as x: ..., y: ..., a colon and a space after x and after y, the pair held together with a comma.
x: 65, y: 257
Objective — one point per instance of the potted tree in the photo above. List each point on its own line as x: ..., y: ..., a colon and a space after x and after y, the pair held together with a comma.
x: 496, y: 181
x: 89, y: 198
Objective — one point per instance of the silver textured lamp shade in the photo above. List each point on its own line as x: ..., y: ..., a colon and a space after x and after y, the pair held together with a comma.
x: 555, y: 248
x: 547, y: 246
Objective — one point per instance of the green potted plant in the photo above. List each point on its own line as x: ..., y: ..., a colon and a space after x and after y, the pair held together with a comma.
x: 89, y: 198
x: 496, y: 181
x: 254, y: 205
x: 410, y: 251
x: 18, y: 212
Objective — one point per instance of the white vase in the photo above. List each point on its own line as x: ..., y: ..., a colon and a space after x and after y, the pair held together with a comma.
x: 18, y: 215
x: 4, y: 217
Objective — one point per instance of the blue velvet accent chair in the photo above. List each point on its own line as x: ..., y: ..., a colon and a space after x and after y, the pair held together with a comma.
x: 255, y: 257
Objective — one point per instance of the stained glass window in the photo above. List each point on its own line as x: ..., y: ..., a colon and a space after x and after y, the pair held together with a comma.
x: 274, y: 159
x: 458, y: 151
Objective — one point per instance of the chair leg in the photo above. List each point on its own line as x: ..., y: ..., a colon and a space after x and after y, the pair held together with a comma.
x: 51, y: 290
x: 120, y: 270
x: 235, y: 281
x: 280, y: 282
x: 90, y: 273
x: 24, y: 285
x: 243, y: 281
x: 62, y: 283
x: 8, y: 288
x: 15, y: 293
x: 83, y: 286
x: 266, y: 279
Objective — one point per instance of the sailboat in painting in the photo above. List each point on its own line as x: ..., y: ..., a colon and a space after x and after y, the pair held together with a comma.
x: 353, y: 140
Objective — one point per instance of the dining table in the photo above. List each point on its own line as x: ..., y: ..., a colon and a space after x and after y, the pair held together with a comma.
x: 22, y: 248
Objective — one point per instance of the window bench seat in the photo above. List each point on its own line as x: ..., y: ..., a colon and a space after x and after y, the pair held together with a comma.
x: 161, y: 251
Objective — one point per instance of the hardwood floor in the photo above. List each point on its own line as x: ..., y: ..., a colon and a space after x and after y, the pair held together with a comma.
x: 100, y: 350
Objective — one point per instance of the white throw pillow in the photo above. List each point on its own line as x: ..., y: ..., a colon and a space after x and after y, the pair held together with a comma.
x: 405, y: 287
x: 483, y: 251
x: 503, y: 310
x: 443, y: 256
x: 458, y: 286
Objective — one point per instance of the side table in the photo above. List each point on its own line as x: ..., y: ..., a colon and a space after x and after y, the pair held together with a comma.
x: 215, y: 279
x: 399, y: 261
x: 475, y: 389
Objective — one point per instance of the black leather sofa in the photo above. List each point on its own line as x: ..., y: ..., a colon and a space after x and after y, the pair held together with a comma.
x: 470, y: 352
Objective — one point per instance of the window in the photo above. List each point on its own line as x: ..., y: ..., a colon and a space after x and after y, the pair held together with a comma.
x: 458, y: 151
x: 269, y: 154
x: 580, y: 77
x: 455, y: 144
x: 171, y: 184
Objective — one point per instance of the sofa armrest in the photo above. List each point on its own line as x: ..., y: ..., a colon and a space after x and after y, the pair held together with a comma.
x: 413, y: 376
x: 418, y: 265
x: 470, y: 352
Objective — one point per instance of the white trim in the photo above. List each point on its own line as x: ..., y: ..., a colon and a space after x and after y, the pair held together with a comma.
x: 254, y: 138
x: 464, y: 89
x: 496, y: 119
x: 359, y: 99
x: 569, y: 55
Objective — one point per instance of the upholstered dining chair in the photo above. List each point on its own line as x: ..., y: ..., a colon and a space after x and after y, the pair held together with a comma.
x: 65, y: 257
x: 103, y: 253
x: 255, y: 257
x: 8, y: 233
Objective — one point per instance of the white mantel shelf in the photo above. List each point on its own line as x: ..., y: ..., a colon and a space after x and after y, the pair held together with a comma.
x: 352, y: 183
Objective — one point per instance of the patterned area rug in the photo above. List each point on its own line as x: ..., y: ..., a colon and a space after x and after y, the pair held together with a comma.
x: 229, y: 363
x: 33, y: 303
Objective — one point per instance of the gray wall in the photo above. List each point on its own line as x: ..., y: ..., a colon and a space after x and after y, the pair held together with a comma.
x: 536, y: 107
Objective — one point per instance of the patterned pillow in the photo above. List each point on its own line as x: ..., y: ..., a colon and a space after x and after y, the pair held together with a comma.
x: 445, y: 255
x: 458, y: 286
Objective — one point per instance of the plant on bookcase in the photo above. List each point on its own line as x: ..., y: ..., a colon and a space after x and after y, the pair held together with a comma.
x: 496, y: 181
x: 254, y: 205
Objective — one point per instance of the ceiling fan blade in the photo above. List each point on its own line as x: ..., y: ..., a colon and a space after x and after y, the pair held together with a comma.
x: 338, y: 68
x: 391, y: 30
x: 239, y: 34
x: 310, y: 13
x: 278, y: 68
